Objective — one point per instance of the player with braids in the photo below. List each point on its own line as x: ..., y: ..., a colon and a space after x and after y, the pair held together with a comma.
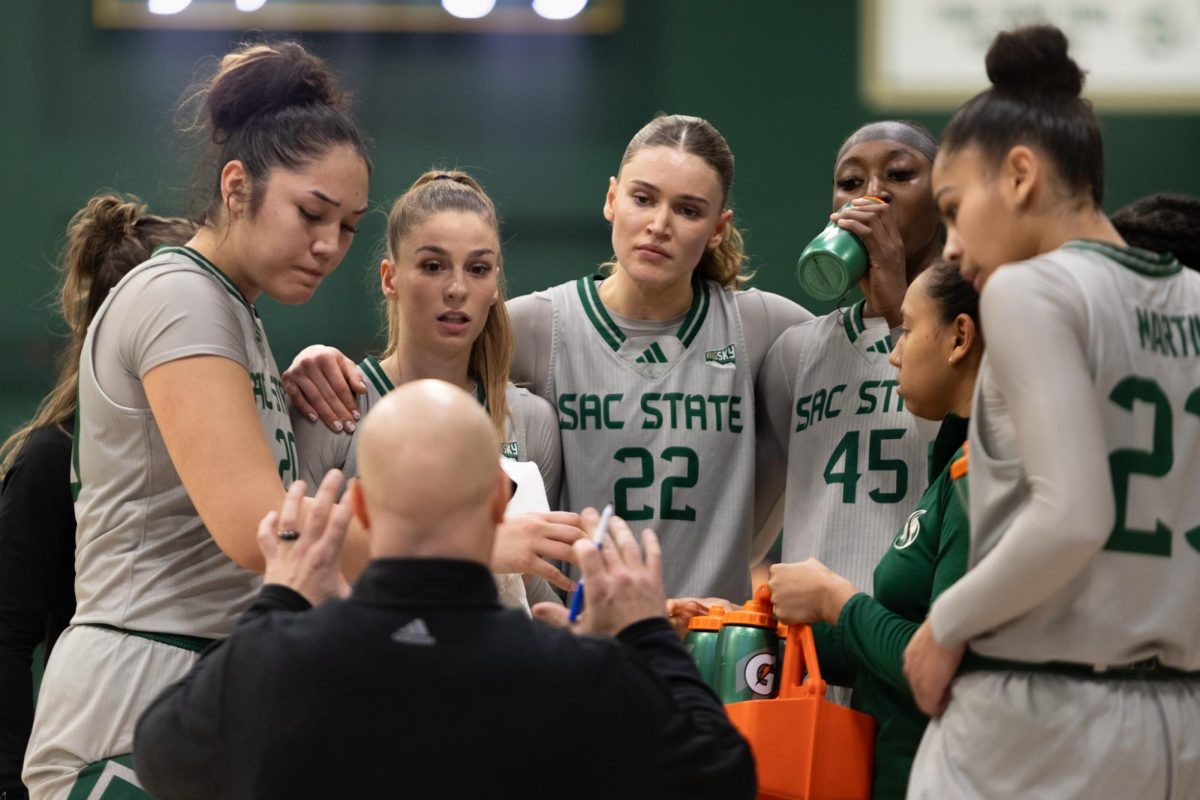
x: 182, y: 441
x: 1075, y: 626
x: 446, y: 319
x: 105, y: 239
x: 650, y: 365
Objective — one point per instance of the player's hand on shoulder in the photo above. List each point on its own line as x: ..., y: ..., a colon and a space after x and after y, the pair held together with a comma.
x: 525, y: 541
x: 321, y: 384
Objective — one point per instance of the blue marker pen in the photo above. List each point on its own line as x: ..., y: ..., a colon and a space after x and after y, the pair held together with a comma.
x: 598, y: 540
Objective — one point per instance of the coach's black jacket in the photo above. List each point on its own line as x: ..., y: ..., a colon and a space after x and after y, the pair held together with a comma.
x: 421, y: 686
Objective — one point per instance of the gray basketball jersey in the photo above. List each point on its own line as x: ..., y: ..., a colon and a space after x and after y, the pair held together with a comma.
x: 1138, y: 597
x: 321, y: 449
x: 856, y: 459
x: 144, y: 560
x: 663, y: 428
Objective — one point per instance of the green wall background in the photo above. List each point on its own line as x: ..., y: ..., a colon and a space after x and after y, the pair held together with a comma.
x: 541, y: 120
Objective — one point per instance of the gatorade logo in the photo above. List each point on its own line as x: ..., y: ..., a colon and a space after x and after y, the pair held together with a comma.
x: 509, y: 450
x: 760, y: 674
x: 724, y: 357
x: 911, y: 530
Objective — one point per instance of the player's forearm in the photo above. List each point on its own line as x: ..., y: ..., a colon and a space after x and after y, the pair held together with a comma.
x: 876, y: 637
x: 1038, y: 555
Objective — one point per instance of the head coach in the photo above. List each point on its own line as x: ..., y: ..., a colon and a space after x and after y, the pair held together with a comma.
x: 418, y: 683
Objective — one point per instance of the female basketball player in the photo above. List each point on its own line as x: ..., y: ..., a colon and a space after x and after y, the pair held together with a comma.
x: 183, y: 440
x: 105, y: 239
x: 855, y: 458
x: 1079, y: 607
x: 446, y: 319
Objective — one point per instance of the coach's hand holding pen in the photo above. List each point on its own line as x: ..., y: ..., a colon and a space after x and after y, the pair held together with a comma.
x: 597, y: 539
x: 623, y: 587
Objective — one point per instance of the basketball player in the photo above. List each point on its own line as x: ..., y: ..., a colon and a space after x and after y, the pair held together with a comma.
x: 447, y: 320
x: 1079, y: 607
x: 856, y: 460
x: 183, y: 439
x: 652, y: 366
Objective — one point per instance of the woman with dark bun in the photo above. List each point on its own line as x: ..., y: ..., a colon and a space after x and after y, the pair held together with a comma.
x: 1074, y: 633
x: 856, y: 459
x: 105, y: 239
x: 182, y: 437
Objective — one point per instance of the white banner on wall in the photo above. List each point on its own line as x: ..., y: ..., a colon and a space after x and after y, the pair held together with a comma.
x: 1139, y: 55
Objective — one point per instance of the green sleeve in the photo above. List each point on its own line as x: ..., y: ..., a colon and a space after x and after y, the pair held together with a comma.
x: 953, y: 547
x: 875, y: 636
x: 838, y: 665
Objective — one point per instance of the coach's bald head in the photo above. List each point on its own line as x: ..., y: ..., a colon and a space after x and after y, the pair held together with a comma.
x: 430, y: 478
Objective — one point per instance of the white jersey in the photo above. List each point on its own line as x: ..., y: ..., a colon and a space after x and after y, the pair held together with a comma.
x: 144, y: 560
x: 1085, y: 458
x: 856, y: 459
x: 663, y: 427
x: 531, y: 433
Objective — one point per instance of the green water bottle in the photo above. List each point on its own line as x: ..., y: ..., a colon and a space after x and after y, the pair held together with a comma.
x: 747, y: 647
x: 833, y: 262
x: 701, y: 641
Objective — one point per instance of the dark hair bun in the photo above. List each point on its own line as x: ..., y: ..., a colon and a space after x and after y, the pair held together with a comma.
x: 265, y: 78
x: 1033, y: 60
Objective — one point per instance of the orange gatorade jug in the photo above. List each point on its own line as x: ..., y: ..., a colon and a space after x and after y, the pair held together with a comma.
x: 806, y: 747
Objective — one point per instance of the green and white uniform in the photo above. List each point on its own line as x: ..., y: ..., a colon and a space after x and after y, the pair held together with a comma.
x: 1080, y: 605
x: 856, y: 460
x: 657, y: 417
x: 151, y: 583
x: 532, y: 435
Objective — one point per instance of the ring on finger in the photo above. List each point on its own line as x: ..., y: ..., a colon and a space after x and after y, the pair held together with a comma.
x: 289, y: 534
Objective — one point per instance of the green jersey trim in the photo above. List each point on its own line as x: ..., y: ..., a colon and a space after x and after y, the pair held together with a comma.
x: 1143, y: 262
x: 852, y: 320
x: 589, y: 297
x: 209, y: 267
x: 194, y: 644
x: 375, y: 374
x: 383, y: 384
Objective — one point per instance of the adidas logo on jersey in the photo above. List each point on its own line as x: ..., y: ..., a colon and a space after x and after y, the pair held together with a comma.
x: 721, y: 358
x: 509, y: 450
x: 652, y: 355
x: 414, y: 632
